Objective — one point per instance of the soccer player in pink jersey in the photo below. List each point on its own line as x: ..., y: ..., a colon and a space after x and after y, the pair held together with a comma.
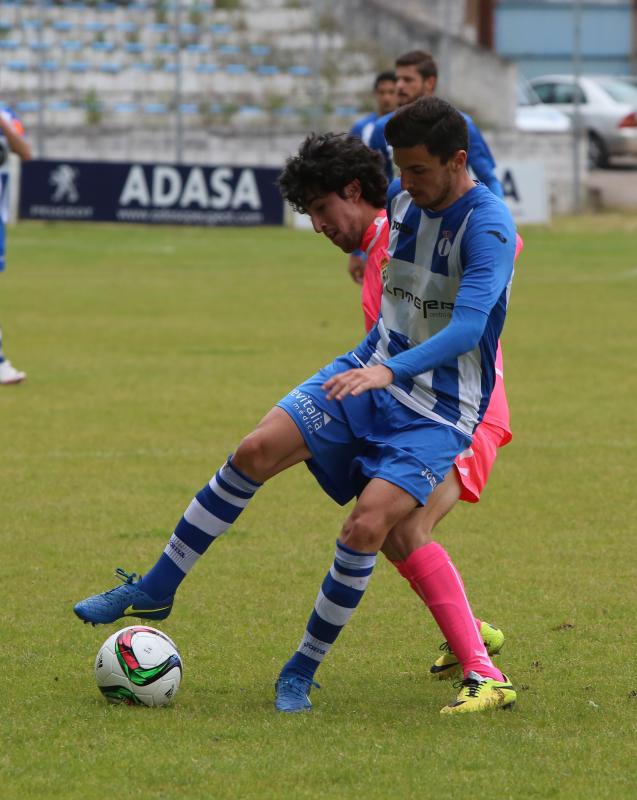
x: 471, y: 468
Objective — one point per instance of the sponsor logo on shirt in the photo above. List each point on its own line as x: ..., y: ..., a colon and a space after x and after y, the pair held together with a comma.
x: 429, y: 308
x: 400, y: 226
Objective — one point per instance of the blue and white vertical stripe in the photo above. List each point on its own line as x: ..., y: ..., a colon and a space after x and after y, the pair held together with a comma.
x: 211, y: 512
x: 338, y: 596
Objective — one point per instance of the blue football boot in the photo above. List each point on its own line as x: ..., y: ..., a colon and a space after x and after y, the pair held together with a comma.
x: 292, y: 693
x: 123, y: 601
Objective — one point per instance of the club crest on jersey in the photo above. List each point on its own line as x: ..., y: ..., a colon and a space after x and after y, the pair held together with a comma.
x: 384, y: 264
x: 444, y: 244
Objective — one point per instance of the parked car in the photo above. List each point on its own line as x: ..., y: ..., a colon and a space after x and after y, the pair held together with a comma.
x: 532, y: 115
x: 608, y: 110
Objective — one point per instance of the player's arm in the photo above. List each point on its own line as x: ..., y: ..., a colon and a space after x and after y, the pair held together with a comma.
x: 17, y: 143
x: 481, y: 160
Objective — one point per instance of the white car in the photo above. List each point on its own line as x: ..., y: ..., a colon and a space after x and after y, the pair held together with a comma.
x: 607, y: 107
x: 532, y: 115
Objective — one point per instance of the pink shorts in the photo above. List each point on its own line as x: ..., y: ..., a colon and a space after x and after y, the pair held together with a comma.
x: 474, y: 465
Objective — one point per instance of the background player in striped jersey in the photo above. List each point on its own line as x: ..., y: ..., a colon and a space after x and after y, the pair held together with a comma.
x: 416, y: 76
x: 11, y: 139
x: 384, y: 447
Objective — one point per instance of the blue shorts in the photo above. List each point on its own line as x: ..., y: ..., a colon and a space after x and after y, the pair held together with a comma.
x: 369, y: 436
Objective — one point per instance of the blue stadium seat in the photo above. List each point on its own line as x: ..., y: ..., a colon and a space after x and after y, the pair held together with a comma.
x: 158, y: 27
x: 268, y: 69
x: 18, y: 66
x: 188, y: 29
x: 189, y: 108
x: 125, y: 108
x: 155, y: 108
x: 72, y: 45
x: 286, y: 111
x: 110, y: 67
x: 59, y: 105
x: 165, y: 47
x: 32, y: 24
x: 198, y: 47
x: 207, y: 69
x: 78, y: 66
x: 9, y: 44
x: 62, y: 25
x: 95, y: 26
x: 170, y: 66
x: 346, y: 111
x: 134, y: 47
x: 103, y: 47
x: 229, y: 49
x: 41, y: 47
x: 27, y: 106
x: 236, y: 69
x: 143, y: 66
x: 49, y: 66
x: 260, y: 50
x: 250, y: 109
x: 127, y: 26
x: 300, y: 71
x: 106, y: 7
x: 220, y: 27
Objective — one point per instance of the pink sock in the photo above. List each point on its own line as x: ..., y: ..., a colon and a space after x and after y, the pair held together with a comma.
x: 404, y: 570
x: 433, y: 576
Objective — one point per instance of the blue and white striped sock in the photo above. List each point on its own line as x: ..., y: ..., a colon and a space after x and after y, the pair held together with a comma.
x: 212, y: 511
x: 338, y: 596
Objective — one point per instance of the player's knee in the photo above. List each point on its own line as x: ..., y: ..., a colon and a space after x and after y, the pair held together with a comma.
x: 363, y: 531
x: 254, y: 456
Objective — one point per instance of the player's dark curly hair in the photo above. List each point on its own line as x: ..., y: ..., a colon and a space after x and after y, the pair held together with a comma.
x: 328, y: 162
x: 432, y: 122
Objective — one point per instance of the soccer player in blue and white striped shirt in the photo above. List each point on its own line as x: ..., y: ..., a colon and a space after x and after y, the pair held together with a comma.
x: 430, y: 362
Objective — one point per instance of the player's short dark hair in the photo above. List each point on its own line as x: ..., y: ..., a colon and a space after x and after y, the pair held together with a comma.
x: 432, y: 122
x: 328, y: 162
x: 387, y: 75
x: 422, y: 60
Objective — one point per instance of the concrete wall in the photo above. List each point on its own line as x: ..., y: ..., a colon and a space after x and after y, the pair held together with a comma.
x: 474, y: 79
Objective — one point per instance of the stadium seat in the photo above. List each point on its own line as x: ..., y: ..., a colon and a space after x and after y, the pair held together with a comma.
x: 78, y: 66
x: 220, y: 27
x: 27, y: 106
x: 134, y: 47
x: 155, y: 108
x: 59, y: 105
x: 300, y: 71
x: 189, y: 108
x: 103, y: 47
x: 18, y: 66
x: 346, y: 111
x: 126, y: 26
x: 207, y: 69
x: 9, y: 44
x: 49, y: 66
x: 170, y: 66
x: 267, y: 69
x: 110, y: 67
x: 260, y: 50
x: 198, y: 47
x: 142, y: 66
x: 229, y: 49
x: 158, y: 27
x: 236, y: 69
x: 125, y: 108
x: 72, y: 45
x: 41, y: 47
x: 165, y: 47
x: 62, y: 25
x: 95, y: 26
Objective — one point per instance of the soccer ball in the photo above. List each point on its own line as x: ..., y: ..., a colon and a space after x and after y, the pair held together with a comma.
x: 138, y: 666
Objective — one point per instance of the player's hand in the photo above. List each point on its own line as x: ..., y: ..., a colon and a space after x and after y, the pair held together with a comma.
x: 356, y: 267
x: 357, y: 381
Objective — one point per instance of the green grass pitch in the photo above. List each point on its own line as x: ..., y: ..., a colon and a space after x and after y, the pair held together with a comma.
x: 150, y: 352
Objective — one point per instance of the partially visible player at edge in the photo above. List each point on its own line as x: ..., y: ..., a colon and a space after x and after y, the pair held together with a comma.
x: 416, y: 76
x: 386, y: 103
x: 433, y: 375
x: 11, y: 139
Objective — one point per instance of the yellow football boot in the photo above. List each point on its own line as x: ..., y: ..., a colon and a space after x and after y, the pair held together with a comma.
x: 447, y: 666
x: 481, y: 694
